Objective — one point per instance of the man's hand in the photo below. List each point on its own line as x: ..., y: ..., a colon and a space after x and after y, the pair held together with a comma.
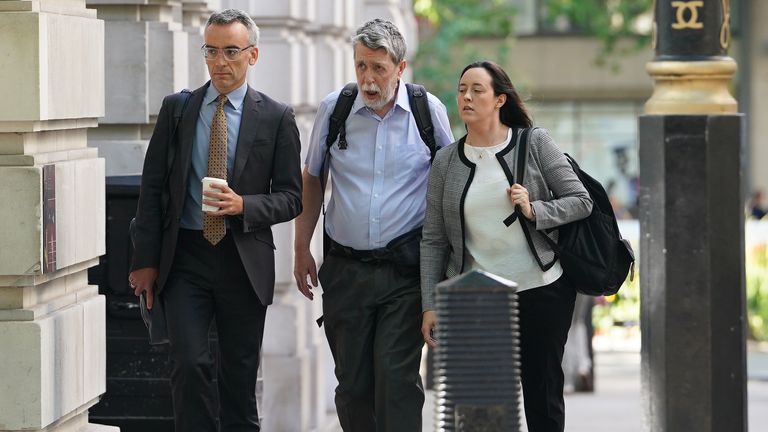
x: 304, y: 265
x: 228, y: 202
x: 428, y: 324
x: 143, y: 280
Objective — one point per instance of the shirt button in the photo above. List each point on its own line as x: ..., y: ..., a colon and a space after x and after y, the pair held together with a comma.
x: 375, y: 195
x: 379, y: 147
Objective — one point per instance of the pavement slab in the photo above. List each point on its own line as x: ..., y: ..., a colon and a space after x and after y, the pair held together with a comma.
x: 616, y: 403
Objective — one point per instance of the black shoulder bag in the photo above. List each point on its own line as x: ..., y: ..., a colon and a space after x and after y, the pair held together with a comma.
x: 594, y: 256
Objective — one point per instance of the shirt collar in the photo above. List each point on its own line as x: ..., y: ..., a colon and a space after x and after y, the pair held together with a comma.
x: 235, y: 98
x: 401, y: 100
x: 402, y: 97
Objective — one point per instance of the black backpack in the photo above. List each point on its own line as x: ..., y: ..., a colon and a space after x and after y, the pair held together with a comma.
x: 417, y: 97
x: 594, y: 257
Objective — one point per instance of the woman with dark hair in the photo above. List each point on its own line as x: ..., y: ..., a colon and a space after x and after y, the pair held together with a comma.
x: 471, y: 191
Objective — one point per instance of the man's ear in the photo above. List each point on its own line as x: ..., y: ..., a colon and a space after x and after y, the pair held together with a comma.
x: 401, y: 68
x: 254, y: 56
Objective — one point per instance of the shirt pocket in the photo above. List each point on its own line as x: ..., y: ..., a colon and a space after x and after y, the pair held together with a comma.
x: 411, y: 162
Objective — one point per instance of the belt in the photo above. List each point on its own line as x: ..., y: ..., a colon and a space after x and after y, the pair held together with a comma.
x: 372, y: 255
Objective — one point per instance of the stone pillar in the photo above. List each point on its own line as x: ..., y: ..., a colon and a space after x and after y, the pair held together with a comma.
x: 294, y: 397
x: 400, y: 12
x: 195, y: 14
x: 333, y: 56
x: 692, y: 227
x: 51, y: 321
x: 147, y: 57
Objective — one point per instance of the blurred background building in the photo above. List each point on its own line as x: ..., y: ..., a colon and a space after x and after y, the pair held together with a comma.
x: 581, y: 67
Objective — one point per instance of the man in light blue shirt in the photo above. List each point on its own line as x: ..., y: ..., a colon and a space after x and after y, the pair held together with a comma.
x: 370, y: 277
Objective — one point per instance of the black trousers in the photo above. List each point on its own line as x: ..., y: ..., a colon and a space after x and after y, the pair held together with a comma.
x: 372, y: 317
x: 545, y: 317
x: 209, y: 283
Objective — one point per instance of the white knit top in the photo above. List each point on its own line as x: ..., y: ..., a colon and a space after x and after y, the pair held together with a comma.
x: 490, y: 245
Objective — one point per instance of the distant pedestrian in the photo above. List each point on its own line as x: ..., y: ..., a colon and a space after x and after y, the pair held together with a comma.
x: 470, y: 193
x: 577, y: 359
x: 756, y: 205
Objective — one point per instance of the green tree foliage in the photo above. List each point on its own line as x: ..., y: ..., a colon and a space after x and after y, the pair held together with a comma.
x: 608, y: 20
x: 455, y: 26
x: 446, y: 48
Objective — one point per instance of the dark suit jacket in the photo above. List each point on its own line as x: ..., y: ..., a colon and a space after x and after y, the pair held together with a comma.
x: 267, y: 174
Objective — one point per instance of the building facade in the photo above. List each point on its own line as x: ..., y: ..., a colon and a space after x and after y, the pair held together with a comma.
x: 89, y: 76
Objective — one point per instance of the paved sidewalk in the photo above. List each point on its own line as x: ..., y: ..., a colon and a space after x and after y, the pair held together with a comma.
x: 616, y: 404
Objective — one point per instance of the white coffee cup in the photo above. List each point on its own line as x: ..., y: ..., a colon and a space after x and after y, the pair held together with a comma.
x: 207, y: 182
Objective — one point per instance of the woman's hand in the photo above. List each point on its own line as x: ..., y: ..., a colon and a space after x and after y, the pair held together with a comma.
x: 518, y: 196
x: 428, y: 324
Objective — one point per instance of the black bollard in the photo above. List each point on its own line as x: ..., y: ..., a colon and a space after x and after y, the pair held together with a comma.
x: 477, y: 360
x: 692, y: 227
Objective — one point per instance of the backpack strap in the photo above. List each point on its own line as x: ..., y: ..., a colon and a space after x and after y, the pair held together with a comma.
x: 180, y: 105
x: 180, y: 101
x: 417, y: 97
x: 337, y: 129
x: 521, y: 159
x: 339, y: 116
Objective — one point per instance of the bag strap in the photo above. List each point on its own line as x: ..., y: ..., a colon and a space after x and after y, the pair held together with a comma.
x: 181, y: 100
x: 417, y: 97
x: 178, y: 111
x: 337, y: 129
x: 339, y: 116
x: 521, y: 159
x: 522, y: 156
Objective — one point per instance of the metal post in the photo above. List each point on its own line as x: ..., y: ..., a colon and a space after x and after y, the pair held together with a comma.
x: 692, y: 226
x: 477, y: 361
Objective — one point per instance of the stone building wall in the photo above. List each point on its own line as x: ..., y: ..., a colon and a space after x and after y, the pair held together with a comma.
x: 153, y: 49
x: 51, y: 321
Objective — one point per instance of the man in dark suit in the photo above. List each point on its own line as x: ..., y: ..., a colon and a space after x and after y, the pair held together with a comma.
x: 217, y: 265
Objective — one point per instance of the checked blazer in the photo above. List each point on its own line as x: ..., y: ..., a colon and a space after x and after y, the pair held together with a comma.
x: 556, y: 193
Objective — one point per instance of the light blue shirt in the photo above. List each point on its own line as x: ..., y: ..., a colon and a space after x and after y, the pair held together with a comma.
x: 192, y: 216
x: 379, y: 183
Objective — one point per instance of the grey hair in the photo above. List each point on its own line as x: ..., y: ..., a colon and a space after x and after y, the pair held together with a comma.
x: 379, y: 33
x: 228, y: 16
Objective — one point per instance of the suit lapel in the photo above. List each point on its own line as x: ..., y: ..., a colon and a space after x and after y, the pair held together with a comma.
x: 247, y: 132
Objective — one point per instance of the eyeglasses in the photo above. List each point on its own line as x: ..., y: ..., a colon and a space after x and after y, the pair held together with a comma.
x: 230, y: 54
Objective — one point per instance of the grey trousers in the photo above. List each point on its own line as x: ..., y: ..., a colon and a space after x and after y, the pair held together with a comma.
x: 372, y: 316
